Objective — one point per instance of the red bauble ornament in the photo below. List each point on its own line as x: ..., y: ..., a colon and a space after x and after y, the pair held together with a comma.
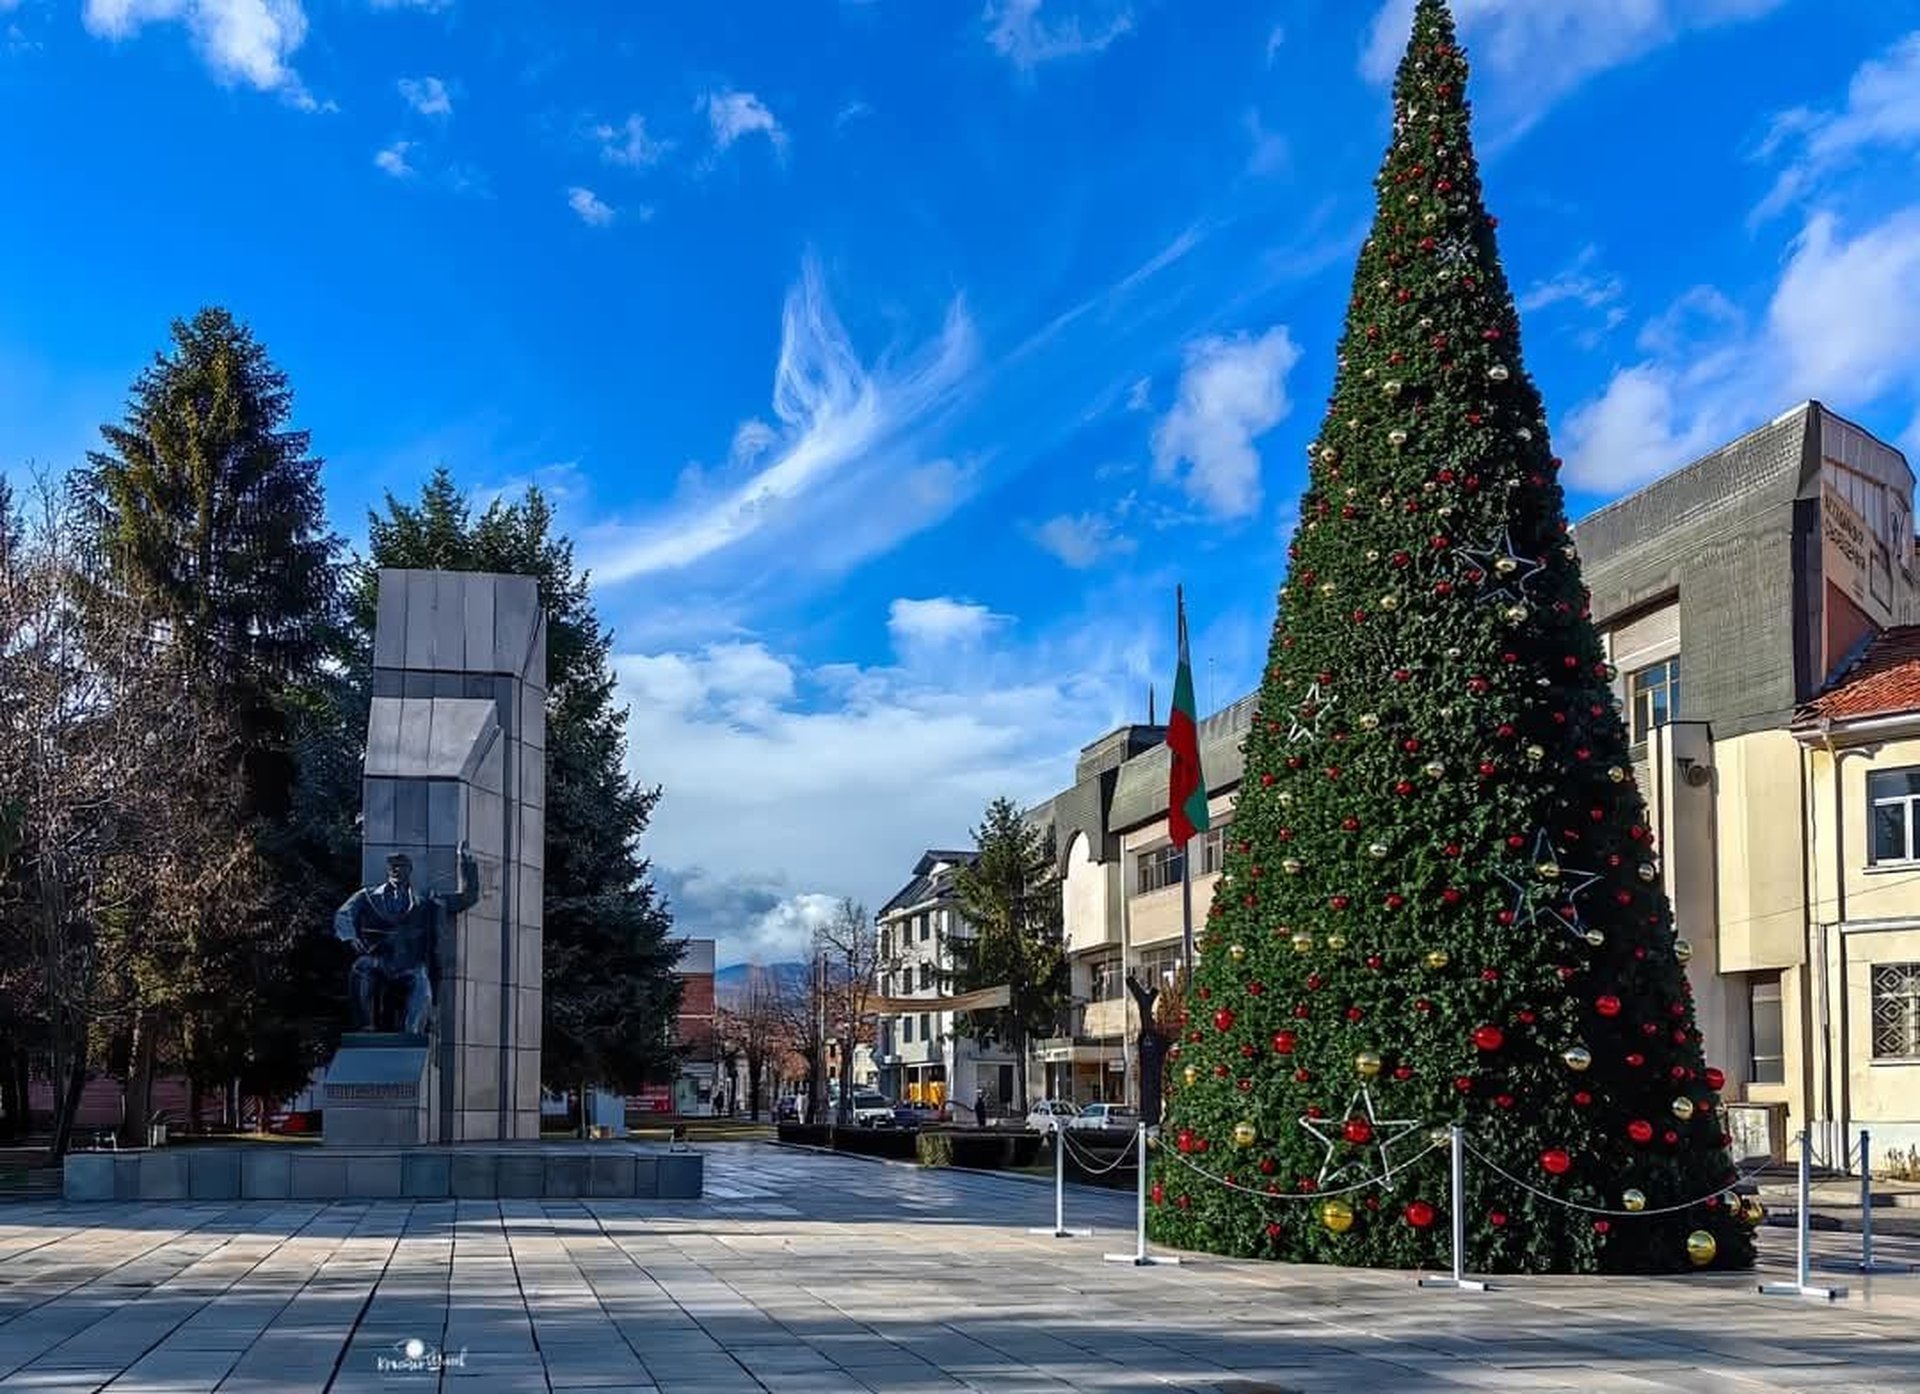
x: 1184, y: 1140
x: 1503, y: 1101
x: 1635, y: 1059
x: 1223, y: 1019
x: 1302, y: 1076
x: 1338, y: 902
x: 1715, y: 1078
x: 1255, y: 989
x: 1355, y: 1014
x: 1607, y: 1005
x: 1462, y: 1084
x: 1641, y: 1131
x: 1489, y: 1038
x: 1357, y: 1131
x: 1266, y: 780
x: 1374, y: 961
x: 1670, y: 1137
x: 1158, y: 1195
x: 1403, y: 1072
x: 1601, y: 1226
x: 1419, y: 1214
x: 1582, y: 1099
x: 1497, y: 1218
x: 1273, y: 1229
x: 1555, y: 1162
x: 1268, y: 1166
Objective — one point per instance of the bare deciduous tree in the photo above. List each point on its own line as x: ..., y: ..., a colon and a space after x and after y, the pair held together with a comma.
x: 849, y: 945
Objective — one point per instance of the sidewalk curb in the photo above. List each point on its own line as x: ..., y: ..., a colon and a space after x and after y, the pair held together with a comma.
x: 1018, y: 1176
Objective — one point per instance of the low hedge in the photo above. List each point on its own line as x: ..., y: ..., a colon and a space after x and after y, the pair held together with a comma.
x: 980, y: 1150
x: 864, y: 1142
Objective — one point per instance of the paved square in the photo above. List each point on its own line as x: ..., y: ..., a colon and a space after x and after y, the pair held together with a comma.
x: 801, y: 1272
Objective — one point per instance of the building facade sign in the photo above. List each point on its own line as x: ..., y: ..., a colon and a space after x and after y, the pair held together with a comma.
x: 1852, y: 558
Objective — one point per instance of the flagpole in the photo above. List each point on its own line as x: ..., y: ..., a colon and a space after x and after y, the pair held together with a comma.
x: 1186, y: 905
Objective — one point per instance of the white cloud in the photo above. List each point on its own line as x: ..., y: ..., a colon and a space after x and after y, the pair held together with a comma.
x: 1019, y: 33
x: 1882, y: 111
x: 1531, y: 53
x: 1271, y: 151
x: 241, y: 41
x: 1081, y: 541
x: 589, y: 207
x: 939, y: 623
x: 427, y: 95
x: 629, y: 144
x: 1232, y: 391
x: 1276, y: 37
x: 1581, y: 284
x: 840, y: 430
x: 1838, y: 325
x: 428, y: 6
x: 851, y: 112
x: 1140, y: 395
x: 734, y: 115
x: 393, y: 160
x: 783, y: 781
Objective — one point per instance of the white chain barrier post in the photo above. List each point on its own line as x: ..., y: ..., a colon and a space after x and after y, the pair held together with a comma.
x: 1866, y: 1263
x: 1803, y: 1284
x: 1060, y: 1230
x: 1459, y: 1281
x: 1140, y: 1258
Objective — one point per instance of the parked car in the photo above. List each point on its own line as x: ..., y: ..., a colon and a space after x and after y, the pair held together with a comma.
x: 872, y: 1110
x: 1047, y: 1114
x: 1095, y: 1117
x: 789, y: 1110
x: 919, y: 1115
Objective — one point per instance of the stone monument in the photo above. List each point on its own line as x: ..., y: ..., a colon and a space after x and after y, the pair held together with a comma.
x: 455, y: 793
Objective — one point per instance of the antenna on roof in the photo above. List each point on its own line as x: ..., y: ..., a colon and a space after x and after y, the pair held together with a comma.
x: 1150, y: 720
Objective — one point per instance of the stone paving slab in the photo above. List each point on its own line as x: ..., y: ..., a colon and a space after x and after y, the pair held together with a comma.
x: 804, y: 1272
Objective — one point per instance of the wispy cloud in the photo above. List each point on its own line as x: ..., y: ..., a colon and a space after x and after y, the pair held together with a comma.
x: 838, y: 425
x: 1232, y: 392
x: 241, y: 41
x: 1276, y: 39
x: 921, y: 626
x: 1081, y: 540
x: 735, y: 115
x: 1838, y: 325
x: 427, y: 6
x: 393, y: 160
x: 1881, y: 111
x: 1584, y: 285
x: 1019, y: 33
x: 427, y: 95
x: 850, y: 113
x: 1270, y: 153
x: 629, y: 144
x: 589, y: 207
x: 1509, y: 37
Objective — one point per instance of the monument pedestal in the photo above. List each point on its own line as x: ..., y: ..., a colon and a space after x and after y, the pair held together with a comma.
x: 379, y: 1091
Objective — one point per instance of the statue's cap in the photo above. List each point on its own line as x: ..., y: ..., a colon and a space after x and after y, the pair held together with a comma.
x: 399, y: 859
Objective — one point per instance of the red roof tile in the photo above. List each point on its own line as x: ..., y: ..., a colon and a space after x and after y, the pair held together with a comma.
x: 1885, y: 679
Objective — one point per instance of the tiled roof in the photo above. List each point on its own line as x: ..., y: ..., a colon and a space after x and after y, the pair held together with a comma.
x: 1883, y: 680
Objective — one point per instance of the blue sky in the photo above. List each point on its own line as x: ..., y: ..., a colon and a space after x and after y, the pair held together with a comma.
x: 891, y: 359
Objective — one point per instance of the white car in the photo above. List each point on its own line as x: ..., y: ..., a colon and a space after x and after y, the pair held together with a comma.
x: 1096, y: 1117
x: 872, y: 1110
x: 1048, y: 1114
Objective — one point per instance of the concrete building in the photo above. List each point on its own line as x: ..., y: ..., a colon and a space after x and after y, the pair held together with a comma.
x: 693, y: 1091
x: 919, y: 1056
x: 1729, y: 594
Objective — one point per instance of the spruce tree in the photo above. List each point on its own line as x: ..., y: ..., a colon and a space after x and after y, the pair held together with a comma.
x: 1441, y: 901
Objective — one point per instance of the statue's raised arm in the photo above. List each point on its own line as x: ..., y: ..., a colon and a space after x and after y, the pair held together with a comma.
x: 466, y: 892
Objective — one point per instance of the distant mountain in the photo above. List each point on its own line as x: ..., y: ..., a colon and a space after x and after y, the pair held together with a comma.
x: 730, y: 983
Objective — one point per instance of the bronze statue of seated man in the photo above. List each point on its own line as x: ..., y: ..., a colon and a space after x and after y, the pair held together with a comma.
x: 395, y: 935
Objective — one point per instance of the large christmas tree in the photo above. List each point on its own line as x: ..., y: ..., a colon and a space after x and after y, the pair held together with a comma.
x: 1440, y: 902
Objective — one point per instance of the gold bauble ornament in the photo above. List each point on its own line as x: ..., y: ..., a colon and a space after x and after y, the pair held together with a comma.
x: 1303, y: 943
x: 1576, y: 1058
x: 1633, y: 1200
x: 1498, y: 372
x: 1244, y: 1135
x: 1336, y: 942
x: 1437, y: 959
x: 1392, y: 387
x: 1701, y: 1248
x: 1369, y: 722
x: 1337, y: 1216
x: 1291, y: 865
x: 1536, y: 753
x: 1548, y: 871
x: 1373, y: 554
x: 1330, y: 453
x: 1648, y: 871
x: 1617, y: 775
x: 1190, y: 1076
x: 1377, y: 849
x: 1435, y: 769
x: 1396, y: 438
x: 1683, y: 1108
x: 1236, y: 952
x: 1367, y: 1063
x: 1752, y: 1213
x: 1286, y: 796
x: 1682, y: 952
x: 1594, y: 938
x: 1452, y: 654
x: 1506, y: 566
x: 1326, y: 588
x: 1516, y: 614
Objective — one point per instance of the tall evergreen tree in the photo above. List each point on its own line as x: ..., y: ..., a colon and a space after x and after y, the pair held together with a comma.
x: 611, y: 995
x: 1010, y: 900
x: 1440, y: 901
x: 209, y: 513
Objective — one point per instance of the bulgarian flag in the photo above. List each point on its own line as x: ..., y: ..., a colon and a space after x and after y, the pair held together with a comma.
x: 1186, y: 785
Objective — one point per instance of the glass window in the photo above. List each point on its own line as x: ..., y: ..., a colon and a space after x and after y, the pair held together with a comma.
x: 1157, y: 869
x: 1653, y: 696
x: 1213, y: 849
x: 926, y: 975
x: 906, y: 1030
x: 926, y: 1028
x: 1896, y: 1011
x: 1769, y: 1029
x: 926, y: 928
x: 1159, y: 967
x: 1108, y: 982
x: 1891, y: 799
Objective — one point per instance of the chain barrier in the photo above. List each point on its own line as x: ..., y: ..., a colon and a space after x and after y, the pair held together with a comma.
x: 1504, y: 1174
x: 1079, y: 1156
x: 1369, y: 1184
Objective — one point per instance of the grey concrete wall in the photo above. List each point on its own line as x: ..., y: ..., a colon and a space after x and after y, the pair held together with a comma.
x: 457, y: 749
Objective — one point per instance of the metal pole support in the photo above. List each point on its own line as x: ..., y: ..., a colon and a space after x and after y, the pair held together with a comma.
x: 1867, y: 1263
x: 1140, y: 1258
x: 1803, y: 1284
x: 1458, y: 1279
x: 1060, y: 1230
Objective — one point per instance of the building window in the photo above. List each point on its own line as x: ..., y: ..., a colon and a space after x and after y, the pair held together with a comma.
x: 926, y: 1028
x: 926, y: 928
x: 926, y: 975
x: 1213, y: 850
x: 906, y: 1030
x: 1159, y: 967
x: 1892, y: 796
x: 1769, y: 1059
x: 1108, y: 982
x: 1653, y: 695
x: 1896, y: 1011
x: 886, y: 943
x: 1157, y: 869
